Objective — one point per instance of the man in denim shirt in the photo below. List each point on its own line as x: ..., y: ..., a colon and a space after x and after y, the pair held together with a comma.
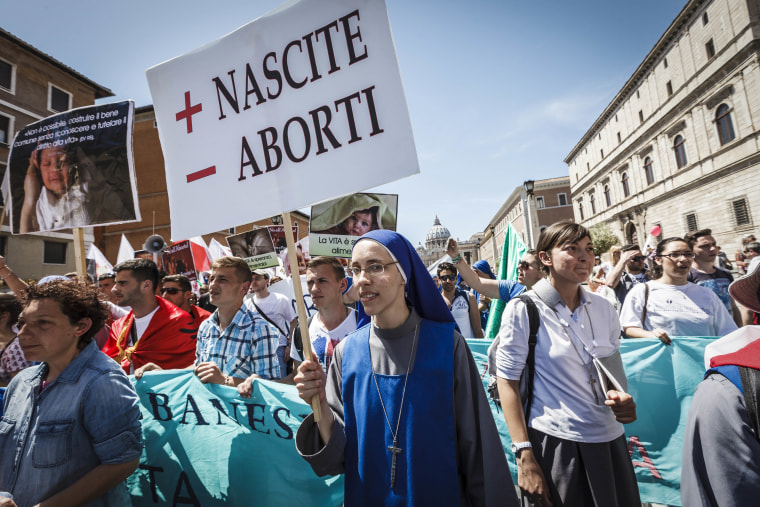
x: 70, y: 433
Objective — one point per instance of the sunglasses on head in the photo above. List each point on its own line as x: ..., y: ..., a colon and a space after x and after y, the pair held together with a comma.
x: 171, y: 290
x: 448, y: 278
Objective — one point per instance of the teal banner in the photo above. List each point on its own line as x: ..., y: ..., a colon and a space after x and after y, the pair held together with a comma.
x: 661, y: 379
x: 206, y: 446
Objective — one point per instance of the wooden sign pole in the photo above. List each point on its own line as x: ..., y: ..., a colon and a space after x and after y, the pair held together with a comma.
x: 300, y: 307
x: 80, y: 258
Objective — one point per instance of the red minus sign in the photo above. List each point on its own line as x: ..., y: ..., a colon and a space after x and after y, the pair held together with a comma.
x: 201, y: 174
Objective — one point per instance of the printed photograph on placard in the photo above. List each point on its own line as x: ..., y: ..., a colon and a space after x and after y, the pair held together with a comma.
x: 337, y: 224
x: 74, y: 169
x: 177, y: 259
x: 255, y: 246
x: 277, y: 232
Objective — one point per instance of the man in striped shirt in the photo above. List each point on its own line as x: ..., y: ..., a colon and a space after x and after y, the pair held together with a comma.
x: 235, y: 343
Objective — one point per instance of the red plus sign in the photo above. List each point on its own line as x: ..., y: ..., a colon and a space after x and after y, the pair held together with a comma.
x: 188, y: 112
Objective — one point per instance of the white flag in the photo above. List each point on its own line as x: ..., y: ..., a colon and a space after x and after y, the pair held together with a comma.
x: 101, y: 263
x: 217, y: 250
x: 126, y: 252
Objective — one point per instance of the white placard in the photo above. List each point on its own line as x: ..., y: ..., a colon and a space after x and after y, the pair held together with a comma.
x: 301, y: 105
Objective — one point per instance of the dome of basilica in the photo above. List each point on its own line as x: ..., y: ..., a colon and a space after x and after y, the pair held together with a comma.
x: 437, y: 234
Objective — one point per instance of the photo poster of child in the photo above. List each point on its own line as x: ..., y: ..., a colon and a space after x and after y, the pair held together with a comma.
x: 255, y: 246
x: 336, y: 224
x: 73, y: 169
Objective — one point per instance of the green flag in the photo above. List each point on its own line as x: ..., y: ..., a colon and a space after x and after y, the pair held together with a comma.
x: 513, y: 250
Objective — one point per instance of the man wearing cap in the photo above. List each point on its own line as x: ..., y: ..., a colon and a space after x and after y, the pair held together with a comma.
x: 721, y: 452
x: 275, y: 308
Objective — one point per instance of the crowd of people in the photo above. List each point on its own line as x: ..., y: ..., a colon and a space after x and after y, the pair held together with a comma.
x: 396, y: 384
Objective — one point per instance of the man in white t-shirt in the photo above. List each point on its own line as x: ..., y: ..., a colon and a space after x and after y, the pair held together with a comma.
x: 276, y: 308
x: 326, y: 281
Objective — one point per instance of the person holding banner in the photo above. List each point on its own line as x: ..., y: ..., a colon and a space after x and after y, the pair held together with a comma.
x: 570, y: 448
x: 236, y: 343
x: 71, y: 431
x: 670, y: 305
x: 155, y: 334
x: 402, y: 394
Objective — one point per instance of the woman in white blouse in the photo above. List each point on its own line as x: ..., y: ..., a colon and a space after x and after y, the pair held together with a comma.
x: 571, y: 447
x: 670, y: 305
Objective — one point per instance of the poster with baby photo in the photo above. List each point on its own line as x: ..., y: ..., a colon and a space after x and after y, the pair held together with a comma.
x: 255, y: 246
x: 73, y: 169
x: 337, y: 224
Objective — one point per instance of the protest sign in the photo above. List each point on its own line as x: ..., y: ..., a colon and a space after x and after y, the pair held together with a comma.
x: 285, y: 109
x: 277, y: 233
x: 336, y: 224
x: 661, y: 379
x: 205, y: 445
x: 255, y: 247
x: 74, y: 169
x: 177, y: 259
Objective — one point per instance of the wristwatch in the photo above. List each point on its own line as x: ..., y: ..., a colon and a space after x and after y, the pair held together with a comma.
x: 520, y: 446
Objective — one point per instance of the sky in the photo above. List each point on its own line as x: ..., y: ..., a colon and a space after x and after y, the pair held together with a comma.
x: 499, y: 91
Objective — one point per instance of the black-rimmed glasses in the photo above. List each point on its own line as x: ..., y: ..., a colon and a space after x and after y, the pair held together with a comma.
x: 370, y: 270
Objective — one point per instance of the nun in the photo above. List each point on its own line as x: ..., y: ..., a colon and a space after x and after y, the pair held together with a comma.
x: 403, y: 411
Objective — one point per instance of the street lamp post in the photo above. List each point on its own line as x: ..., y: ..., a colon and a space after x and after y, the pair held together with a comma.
x: 495, y: 251
x: 529, y: 186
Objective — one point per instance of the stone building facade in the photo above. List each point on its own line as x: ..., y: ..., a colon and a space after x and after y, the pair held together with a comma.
x: 551, y: 202
x: 33, y: 86
x: 678, y: 146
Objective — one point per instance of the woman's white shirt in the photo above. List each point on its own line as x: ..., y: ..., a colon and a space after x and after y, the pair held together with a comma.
x: 679, y: 310
x: 564, y: 405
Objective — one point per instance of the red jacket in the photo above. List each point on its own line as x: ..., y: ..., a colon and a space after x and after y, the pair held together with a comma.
x: 169, y: 341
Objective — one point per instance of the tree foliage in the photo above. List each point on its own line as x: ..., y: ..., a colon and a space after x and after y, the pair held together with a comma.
x: 603, y: 238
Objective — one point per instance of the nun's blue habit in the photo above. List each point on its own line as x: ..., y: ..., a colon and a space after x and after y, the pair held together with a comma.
x: 450, y: 451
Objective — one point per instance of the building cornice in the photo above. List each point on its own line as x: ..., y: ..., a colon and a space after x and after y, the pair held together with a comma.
x: 100, y: 90
x: 640, y: 73
x: 670, y: 122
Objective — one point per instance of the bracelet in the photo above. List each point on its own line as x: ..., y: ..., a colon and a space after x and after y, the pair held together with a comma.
x: 227, y: 380
x: 456, y: 259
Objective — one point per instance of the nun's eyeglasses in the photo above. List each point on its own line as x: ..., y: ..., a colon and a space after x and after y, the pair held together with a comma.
x: 371, y: 270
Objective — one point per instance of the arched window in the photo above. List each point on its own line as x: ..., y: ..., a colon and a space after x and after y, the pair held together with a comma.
x: 592, y: 199
x: 626, y: 188
x: 580, y: 210
x: 680, y: 151
x: 607, y: 197
x: 649, y: 170
x: 725, y: 127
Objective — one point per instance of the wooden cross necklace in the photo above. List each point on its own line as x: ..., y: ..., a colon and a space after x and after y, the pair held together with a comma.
x: 394, y: 449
